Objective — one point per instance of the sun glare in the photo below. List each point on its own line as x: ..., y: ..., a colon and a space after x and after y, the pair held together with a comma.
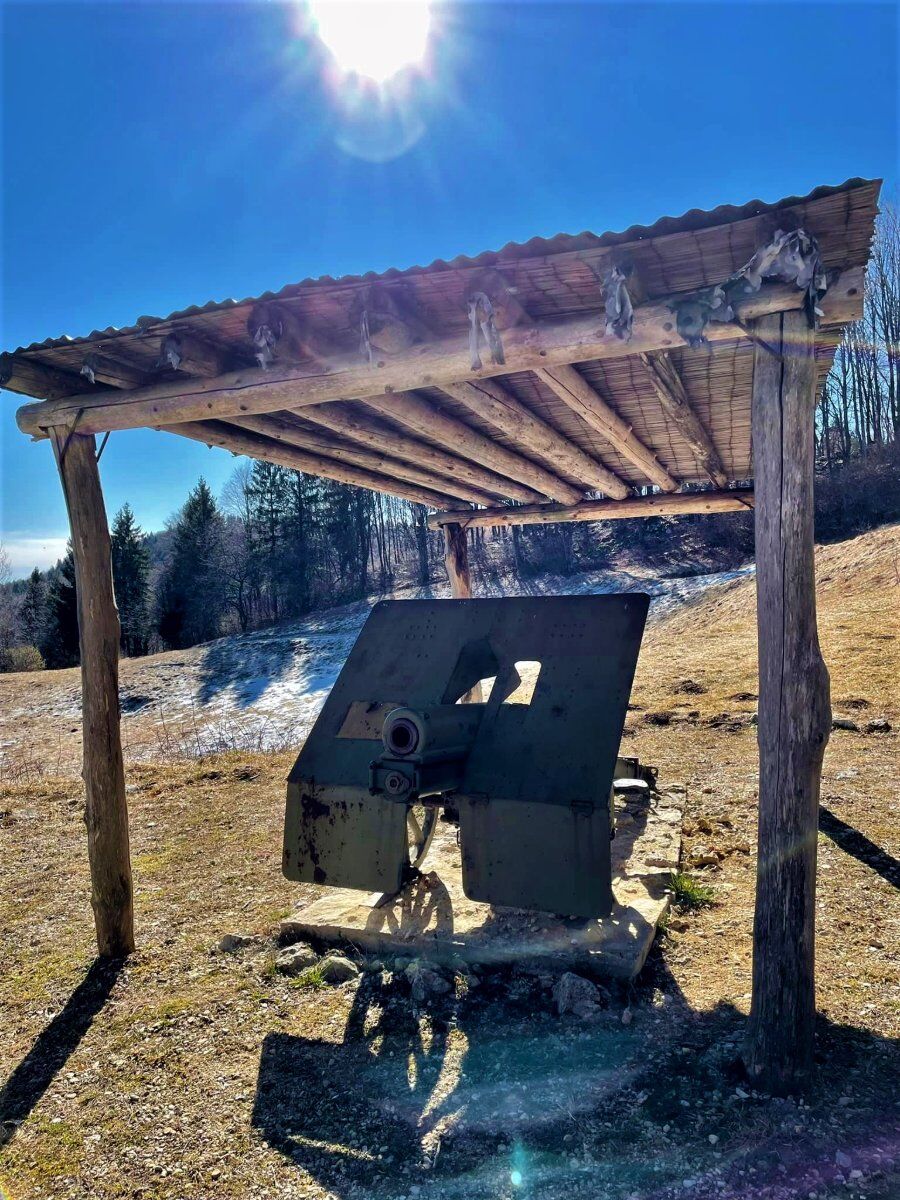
x: 373, y: 38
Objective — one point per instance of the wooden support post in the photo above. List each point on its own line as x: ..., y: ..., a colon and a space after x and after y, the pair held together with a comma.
x: 456, y: 560
x: 794, y: 706
x: 106, y: 814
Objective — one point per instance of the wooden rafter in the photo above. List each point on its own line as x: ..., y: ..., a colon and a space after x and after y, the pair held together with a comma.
x: 426, y: 418
x: 242, y: 441
x: 291, y: 432
x: 488, y: 398
x: 584, y: 399
x: 526, y: 348
x: 664, y: 505
x: 358, y: 424
x: 663, y: 374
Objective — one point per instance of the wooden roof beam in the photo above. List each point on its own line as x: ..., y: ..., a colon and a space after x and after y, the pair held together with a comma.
x: 358, y: 424
x: 526, y: 348
x: 254, y: 445
x: 658, y: 505
x: 575, y: 391
x: 663, y: 374
x: 426, y: 418
x: 488, y: 398
x: 292, y: 432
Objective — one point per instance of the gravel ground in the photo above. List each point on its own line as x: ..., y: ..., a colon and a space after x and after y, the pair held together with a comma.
x: 192, y: 1071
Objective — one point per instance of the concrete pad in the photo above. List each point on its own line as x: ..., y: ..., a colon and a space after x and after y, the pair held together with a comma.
x: 432, y: 917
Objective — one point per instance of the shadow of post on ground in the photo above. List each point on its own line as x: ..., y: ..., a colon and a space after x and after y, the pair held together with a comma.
x: 54, y: 1045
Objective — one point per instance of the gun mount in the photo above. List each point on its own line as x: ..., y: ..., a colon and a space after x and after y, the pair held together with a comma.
x: 505, y: 716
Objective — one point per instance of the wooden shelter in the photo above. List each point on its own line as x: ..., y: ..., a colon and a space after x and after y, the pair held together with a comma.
x: 576, y: 378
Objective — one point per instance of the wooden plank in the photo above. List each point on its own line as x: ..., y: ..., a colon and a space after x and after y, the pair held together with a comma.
x: 22, y: 374
x: 575, y: 339
x: 306, y: 437
x: 106, y: 811
x: 428, y: 419
x: 360, y: 425
x: 487, y: 398
x: 242, y: 441
x: 794, y: 707
x: 575, y: 391
x: 666, y: 505
x: 666, y: 381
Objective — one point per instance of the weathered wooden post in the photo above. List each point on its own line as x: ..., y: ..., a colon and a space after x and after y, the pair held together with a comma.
x: 794, y: 705
x: 456, y: 560
x: 106, y: 814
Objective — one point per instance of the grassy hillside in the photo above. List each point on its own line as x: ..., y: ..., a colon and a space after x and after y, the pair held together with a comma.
x: 192, y: 1072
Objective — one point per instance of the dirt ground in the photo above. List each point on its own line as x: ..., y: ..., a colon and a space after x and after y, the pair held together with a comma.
x: 193, y: 1072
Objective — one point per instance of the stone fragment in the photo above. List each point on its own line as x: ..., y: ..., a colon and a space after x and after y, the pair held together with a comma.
x: 230, y: 942
x: 575, y: 994
x: 844, y: 723
x: 425, y: 980
x: 296, y: 959
x: 337, y: 969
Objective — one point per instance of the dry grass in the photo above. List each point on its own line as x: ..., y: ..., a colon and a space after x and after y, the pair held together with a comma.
x: 193, y: 1073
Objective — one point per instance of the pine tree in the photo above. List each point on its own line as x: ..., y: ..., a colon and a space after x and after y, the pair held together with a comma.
x: 192, y: 595
x: 33, y: 610
x: 131, y: 567
x: 267, y: 497
x: 60, y: 646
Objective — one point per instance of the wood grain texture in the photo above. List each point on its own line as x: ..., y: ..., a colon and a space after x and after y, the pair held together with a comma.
x: 794, y: 708
x: 291, y: 432
x: 106, y: 812
x: 429, y: 420
x: 665, y: 505
x: 490, y: 400
x: 456, y: 560
x: 584, y: 399
x: 547, y: 343
x: 254, y: 445
x: 667, y: 384
x: 357, y: 423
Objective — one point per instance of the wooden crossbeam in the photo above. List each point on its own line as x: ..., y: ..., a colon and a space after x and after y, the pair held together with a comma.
x: 667, y: 384
x: 360, y: 425
x: 526, y: 348
x: 426, y: 418
x: 667, y: 505
x: 242, y: 441
x: 488, y: 398
x: 575, y: 391
x: 292, y: 432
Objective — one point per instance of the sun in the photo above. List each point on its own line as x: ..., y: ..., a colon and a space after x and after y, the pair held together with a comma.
x: 373, y: 38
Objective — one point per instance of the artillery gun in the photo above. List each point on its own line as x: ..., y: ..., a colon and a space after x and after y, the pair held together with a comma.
x: 503, y: 717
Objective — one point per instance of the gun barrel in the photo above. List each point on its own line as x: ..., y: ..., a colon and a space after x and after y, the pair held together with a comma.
x: 442, y: 731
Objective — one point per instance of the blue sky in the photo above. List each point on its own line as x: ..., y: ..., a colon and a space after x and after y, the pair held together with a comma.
x: 161, y: 155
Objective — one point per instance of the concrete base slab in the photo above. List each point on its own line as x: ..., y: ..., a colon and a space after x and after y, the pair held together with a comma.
x: 433, y: 918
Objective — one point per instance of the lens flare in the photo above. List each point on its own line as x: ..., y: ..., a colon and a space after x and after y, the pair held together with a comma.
x: 375, y: 39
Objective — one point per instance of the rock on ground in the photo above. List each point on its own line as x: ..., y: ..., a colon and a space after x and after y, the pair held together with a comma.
x: 230, y: 942
x: 575, y: 994
x: 337, y: 969
x: 425, y: 980
x: 295, y: 959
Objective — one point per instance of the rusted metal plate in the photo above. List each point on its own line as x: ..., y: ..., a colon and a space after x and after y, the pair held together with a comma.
x: 534, y: 795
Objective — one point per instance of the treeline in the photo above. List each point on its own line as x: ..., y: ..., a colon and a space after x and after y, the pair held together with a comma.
x: 277, y: 544
x: 858, y: 413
